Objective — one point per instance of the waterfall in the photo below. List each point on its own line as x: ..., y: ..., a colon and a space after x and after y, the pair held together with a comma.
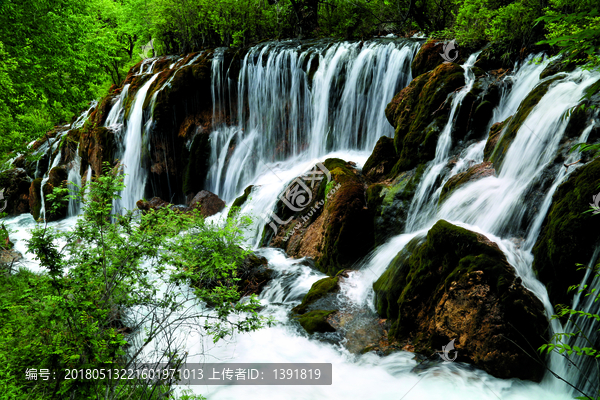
x: 74, y: 183
x: 295, y: 103
x: 135, y: 173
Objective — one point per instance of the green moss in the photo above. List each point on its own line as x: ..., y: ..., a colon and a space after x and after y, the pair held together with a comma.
x: 448, y: 253
x: 493, y: 137
x: 239, y: 202
x: 569, y: 234
x: 416, y: 115
x: 515, y: 124
x: 475, y: 172
x: 316, y: 321
x: 317, y: 291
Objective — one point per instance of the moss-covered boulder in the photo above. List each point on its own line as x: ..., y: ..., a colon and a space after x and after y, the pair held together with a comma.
x: 456, y: 284
x: 474, y: 173
x: 254, y: 274
x: 316, y: 321
x: 382, y: 160
x: 208, y: 203
x: 568, y: 236
x: 334, y: 226
x: 427, y: 58
x: 318, y: 291
x: 419, y: 113
x: 390, y: 203
x: 240, y: 201
x: 516, y: 122
x: 14, y: 191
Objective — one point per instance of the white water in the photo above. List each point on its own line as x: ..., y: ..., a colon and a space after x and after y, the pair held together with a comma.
x: 473, y: 206
x: 135, y: 173
x: 282, y: 115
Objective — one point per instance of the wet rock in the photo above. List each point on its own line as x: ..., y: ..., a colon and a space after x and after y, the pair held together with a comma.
x: 334, y: 226
x: 391, y: 201
x: 14, y: 190
x: 198, y: 165
x: 474, y: 173
x: 568, y: 235
x: 209, y: 203
x: 35, y: 198
x: 254, y: 274
x: 56, y: 209
x: 419, y: 113
x: 319, y: 290
x: 493, y: 137
x: 456, y: 284
x: 239, y: 202
x: 381, y: 161
x: 316, y: 321
x: 97, y: 145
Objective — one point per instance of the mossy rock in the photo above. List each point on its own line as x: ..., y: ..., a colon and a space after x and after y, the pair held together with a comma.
x: 516, y: 122
x: 457, y: 284
x: 419, y: 113
x: 392, y: 202
x: 382, y: 159
x: 335, y: 228
x: 557, y: 66
x: 493, y: 137
x: 569, y: 234
x: 240, y: 201
x: 474, y: 173
x: 318, y: 290
x: 316, y: 321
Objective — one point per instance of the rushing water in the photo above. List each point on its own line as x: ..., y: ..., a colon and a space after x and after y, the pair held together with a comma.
x: 297, y: 105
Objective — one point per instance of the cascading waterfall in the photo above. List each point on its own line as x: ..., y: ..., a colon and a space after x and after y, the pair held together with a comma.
x: 302, y: 104
x: 135, y: 174
x: 74, y: 182
x: 298, y: 105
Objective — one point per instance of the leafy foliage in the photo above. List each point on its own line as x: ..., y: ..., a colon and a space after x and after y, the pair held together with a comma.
x: 109, y: 296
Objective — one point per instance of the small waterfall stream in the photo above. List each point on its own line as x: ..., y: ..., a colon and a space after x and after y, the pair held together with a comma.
x: 296, y: 105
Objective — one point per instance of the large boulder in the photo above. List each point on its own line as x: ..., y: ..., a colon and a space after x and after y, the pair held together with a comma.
x: 419, y: 113
x: 569, y: 234
x: 208, y: 203
x: 381, y: 161
x: 14, y: 191
x: 334, y: 226
x: 457, y: 284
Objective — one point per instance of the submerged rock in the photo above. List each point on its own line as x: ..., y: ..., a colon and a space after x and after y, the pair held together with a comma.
x: 456, y: 284
x: 569, y: 234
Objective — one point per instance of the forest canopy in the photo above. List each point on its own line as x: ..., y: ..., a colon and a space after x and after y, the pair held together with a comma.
x: 58, y: 55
